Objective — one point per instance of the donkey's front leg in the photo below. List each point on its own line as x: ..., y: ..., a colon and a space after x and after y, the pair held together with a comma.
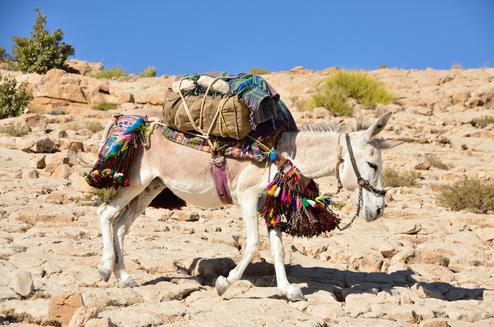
x: 108, y: 213
x: 291, y: 292
x: 248, y: 206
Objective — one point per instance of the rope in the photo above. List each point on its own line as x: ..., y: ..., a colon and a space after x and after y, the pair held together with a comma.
x: 218, y: 113
x: 339, y: 160
x: 362, y: 183
x: 356, y: 211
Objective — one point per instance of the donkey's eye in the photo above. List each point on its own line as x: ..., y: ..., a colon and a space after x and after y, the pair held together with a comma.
x: 372, y: 165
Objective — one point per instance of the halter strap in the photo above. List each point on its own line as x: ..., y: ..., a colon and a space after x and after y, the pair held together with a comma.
x: 363, y: 183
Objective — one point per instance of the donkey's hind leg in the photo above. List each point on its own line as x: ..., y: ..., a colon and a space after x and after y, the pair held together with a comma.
x: 248, y: 206
x: 107, y: 214
x: 122, y: 225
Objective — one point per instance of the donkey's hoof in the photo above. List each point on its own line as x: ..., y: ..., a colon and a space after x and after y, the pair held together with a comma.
x: 129, y: 282
x: 104, y: 274
x: 294, y: 294
x: 222, y: 284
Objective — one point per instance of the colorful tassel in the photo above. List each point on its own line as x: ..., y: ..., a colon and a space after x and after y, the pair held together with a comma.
x: 293, y: 203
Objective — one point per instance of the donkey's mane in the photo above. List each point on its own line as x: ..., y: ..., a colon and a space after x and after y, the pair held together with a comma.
x: 320, y: 127
x: 360, y: 124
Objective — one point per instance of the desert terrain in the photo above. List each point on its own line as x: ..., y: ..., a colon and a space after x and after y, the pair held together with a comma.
x: 420, y: 264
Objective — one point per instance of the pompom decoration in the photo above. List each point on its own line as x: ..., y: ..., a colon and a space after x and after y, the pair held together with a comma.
x: 273, y: 155
x: 292, y: 203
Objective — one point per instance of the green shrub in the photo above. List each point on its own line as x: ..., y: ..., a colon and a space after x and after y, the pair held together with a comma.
x: 148, y: 72
x: 3, y: 54
x: 105, y: 106
x: 393, y: 178
x: 43, y: 51
x: 436, y: 162
x: 482, y: 121
x: 470, y: 194
x: 110, y: 73
x: 342, y: 85
x: 259, y: 71
x: 13, y: 98
x: 13, y: 130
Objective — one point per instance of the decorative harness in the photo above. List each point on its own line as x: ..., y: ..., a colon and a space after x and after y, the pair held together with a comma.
x: 362, y: 182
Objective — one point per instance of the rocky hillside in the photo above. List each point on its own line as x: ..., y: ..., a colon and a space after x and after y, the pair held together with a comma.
x: 419, y: 265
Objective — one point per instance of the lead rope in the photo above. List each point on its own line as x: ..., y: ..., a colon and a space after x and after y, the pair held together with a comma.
x: 339, y: 160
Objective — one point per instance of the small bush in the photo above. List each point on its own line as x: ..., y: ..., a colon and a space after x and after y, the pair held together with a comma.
x: 3, y: 54
x: 469, y: 194
x: 149, y: 72
x: 94, y: 126
x: 482, y: 122
x: 13, y: 98
x: 106, y: 194
x: 110, y: 73
x: 342, y: 85
x: 383, y: 66
x: 333, y: 99
x: 436, y: 162
x: 43, y: 51
x: 393, y: 178
x: 259, y: 71
x: 13, y: 130
x: 105, y: 106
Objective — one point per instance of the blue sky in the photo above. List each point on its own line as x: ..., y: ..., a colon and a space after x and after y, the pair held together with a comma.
x: 199, y: 36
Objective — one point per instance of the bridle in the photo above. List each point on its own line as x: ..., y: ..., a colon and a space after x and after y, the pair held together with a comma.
x: 362, y: 182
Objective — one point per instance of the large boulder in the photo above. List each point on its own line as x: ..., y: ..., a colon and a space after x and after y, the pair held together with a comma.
x: 84, y: 67
x: 57, y: 84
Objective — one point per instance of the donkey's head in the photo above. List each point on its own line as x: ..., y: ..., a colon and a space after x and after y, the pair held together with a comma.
x: 368, y: 163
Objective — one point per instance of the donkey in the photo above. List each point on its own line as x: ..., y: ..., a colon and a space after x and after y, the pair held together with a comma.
x: 187, y: 173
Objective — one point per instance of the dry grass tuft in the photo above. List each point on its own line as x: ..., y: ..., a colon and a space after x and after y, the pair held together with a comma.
x: 94, y: 126
x: 394, y: 178
x: 149, y: 72
x: 110, y: 73
x: 106, y: 194
x: 469, y: 194
x: 105, y: 106
x: 259, y: 71
x: 436, y: 162
x: 482, y: 122
x: 13, y: 130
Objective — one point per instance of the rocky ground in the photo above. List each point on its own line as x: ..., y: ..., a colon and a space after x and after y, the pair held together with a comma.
x: 419, y: 265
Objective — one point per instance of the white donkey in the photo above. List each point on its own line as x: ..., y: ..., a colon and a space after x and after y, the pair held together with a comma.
x: 187, y: 173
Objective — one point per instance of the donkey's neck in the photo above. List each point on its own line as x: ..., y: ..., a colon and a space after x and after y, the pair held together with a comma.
x: 313, y: 153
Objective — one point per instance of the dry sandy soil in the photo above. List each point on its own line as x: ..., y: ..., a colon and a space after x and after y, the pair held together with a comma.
x: 418, y: 265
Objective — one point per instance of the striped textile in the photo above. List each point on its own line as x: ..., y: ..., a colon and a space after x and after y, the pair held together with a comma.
x: 244, y: 149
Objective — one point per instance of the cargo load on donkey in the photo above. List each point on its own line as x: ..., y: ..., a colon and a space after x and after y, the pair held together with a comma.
x: 226, y: 106
x: 238, y: 117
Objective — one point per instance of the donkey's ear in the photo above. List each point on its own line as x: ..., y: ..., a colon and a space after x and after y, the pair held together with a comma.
x: 385, y: 144
x: 377, y: 127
